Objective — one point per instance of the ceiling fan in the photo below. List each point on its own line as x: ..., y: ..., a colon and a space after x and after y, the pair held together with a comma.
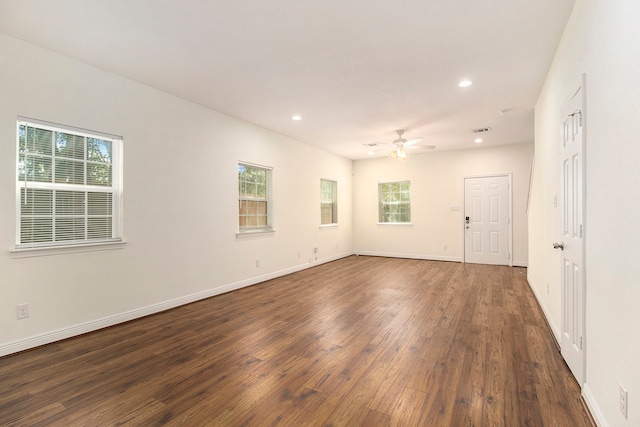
x: 399, y: 146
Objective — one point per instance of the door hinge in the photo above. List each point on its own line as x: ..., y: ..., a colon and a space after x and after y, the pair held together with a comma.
x: 580, y: 343
x: 579, y: 114
x: 581, y: 231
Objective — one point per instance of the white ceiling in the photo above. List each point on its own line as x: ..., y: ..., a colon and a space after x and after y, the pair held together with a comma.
x: 355, y: 70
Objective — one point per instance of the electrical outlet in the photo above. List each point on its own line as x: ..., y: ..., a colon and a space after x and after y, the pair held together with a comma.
x: 315, y: 250
x: 22, y: 311
x: 257, y: 263
x: 624, y: 398
x: 444, y: 247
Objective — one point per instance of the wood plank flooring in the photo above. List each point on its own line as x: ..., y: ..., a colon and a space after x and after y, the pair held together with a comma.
x: 363, y: 341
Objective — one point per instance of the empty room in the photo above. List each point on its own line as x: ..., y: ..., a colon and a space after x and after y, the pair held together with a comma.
x: 351, y: 213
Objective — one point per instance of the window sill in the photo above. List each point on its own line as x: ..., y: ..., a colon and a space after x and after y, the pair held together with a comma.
x: 335, y: 225
x: 71, y: 249
x: 401, y: 224
x: 254, y: 233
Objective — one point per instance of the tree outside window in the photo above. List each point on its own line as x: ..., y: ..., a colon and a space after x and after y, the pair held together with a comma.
x: 328, y: 202
x: 394, y: 202
x: 65, y: 186
x: 253, y: 198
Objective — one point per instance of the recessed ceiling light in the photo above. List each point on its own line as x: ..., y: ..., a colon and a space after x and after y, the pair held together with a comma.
x: 370, y: 153
x: 477, y: 140
x: 465, y: 83
x: 296, y: 117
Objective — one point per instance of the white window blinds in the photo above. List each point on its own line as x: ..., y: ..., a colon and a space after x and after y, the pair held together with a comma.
x: 67, y: 186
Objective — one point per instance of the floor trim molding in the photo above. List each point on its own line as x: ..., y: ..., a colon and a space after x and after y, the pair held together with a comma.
x: 408, y: 256
x: 105, y: 322
x: 592, y: 407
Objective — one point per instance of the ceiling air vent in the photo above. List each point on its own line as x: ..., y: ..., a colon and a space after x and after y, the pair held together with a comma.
x: 481, y: 130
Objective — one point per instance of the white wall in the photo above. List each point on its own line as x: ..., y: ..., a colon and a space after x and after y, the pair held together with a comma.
x: 602, y: 40
x: 180, y: 201
x: 437, y: 180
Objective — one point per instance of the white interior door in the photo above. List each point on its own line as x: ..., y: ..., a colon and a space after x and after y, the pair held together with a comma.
x: 487, y: 236
x: 571, y: 245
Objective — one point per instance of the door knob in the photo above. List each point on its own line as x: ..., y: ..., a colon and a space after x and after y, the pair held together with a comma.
x: 558, y: 246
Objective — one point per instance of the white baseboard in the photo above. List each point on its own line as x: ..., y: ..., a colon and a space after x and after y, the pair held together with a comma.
x: 588, y: 397
x: 426, y: 257
x: 94, y: 325
x: 410, y: 256
x: 593, y: 406
x: 554, y: 328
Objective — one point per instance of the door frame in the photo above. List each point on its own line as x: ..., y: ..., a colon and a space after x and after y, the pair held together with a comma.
x: 509, y: 176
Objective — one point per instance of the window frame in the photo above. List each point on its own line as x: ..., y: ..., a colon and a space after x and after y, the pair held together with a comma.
x: 385, y: 218
x: 333, y: 203
x: 114, y: 218
x: 268, y: 200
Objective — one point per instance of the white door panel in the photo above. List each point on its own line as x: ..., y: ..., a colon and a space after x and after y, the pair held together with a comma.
x: 487, y: 230
x: 572, y: 280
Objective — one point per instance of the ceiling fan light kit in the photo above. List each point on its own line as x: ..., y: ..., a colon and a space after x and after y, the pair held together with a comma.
x: 398, y: 154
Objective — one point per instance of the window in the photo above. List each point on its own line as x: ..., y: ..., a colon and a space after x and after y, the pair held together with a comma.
x: 394, y: 202
x: 254, y: 194
x: 67, y: 186
x: 328, y: 202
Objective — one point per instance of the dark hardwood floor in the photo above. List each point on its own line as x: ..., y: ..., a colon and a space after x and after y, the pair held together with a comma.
x: 362, y: 341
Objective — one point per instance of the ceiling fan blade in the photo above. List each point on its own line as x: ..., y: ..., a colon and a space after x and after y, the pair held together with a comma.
x: 426, y: 147
x: 376, y: 144
x: 375, y: 148
x: 411, y: 142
